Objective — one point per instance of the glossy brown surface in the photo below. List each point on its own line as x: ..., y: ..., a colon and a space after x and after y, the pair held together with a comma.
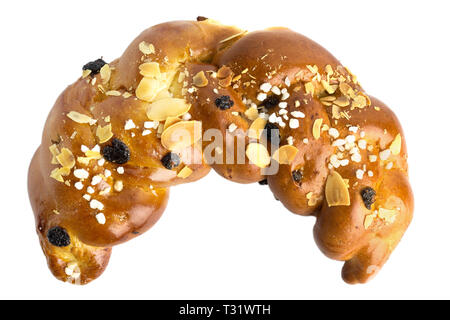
x: 269, y: 56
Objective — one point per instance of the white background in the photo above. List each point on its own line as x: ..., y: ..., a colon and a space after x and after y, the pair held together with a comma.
x: 218, y: 239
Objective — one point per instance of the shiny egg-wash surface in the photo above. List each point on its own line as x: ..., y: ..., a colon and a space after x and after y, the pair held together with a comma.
x: 269, y: 106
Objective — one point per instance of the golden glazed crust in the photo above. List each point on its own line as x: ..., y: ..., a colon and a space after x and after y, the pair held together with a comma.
x: 341, y: 155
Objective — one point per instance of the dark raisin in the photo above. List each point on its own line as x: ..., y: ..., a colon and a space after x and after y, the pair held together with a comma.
x: 263, y: 182
x: 200, y: 18
x: 271, y: 102
x: 297, y: 175
x: 272, y: 133
x: 94, y: 66
x: 224, y: 102
x: 58, y: 237
x: 171, y: 160
x: 368, y: 196
x: 117, y: 152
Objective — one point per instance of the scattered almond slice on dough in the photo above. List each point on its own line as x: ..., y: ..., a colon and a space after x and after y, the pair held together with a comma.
x: 258, y: 154
x: 146, y: 48
x: 396, y: 145
x: 66, y: 158
x: 336, y: 190
x: 256, y: 128
x: 316, y: 128
x: 285, y: 154
x: 150, y: 70
x: 170, y: 121
x: 148, y: 89
x: 169, y: 107
x: 104, y: 133
x: 200, y: 80
x: 184, y: 173
x: 80, y: 118
x: 181, y: 135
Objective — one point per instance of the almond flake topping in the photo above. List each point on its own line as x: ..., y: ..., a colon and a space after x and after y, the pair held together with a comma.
x: 181, y: 135
x: 200, y: 80
x: 336, y: 190
x: 66, y: 158
x: 150, y: 70
x: 396, y: 145
x: 80, y: 118
x: 316, y: 128
x: 368, y: 220
x: 148, y: 89
x: 184, y: 173
x: 104, y: 133
x: 286, y: 154
x: 256, y: 128
x: 146, y: 48
x: 169, y: 107
x: 258, y: 155
x: 54, y: 151
x: 105, y: 73
x: 58, y: 173
x: 113, y: 93
x: 251, y: 113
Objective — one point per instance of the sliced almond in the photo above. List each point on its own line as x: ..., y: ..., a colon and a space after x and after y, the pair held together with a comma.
x: 309, y: 88
x: 317, y: 128
x: 387, y: 214
x: 368, y: 220
x: 336, y: 112
x: 396, y: 145
x: 224, y: 72
x: 328, y: 99
x: 66, y: 158
x: 314, y: 69
x: 105, y: 73
x: 58, y: 173
x: 342, y: 101
x: 113, y: 93
x: 162, y: 95
x: 346, y: 90
x: 54, y: 151
x: 258, y: 154
x: 184, y: 173
x: 286, y: 154
x: 150, y: 70
x: 169, y: 107
x: 251, y: 113
x: 146, y: 48
x: 147, y: 89
x: 200, y: 80
x: 88, y: 158
x: 225, y: 82
x: 312, y: 199
x: 79, y: 117
x: 359, y: 102
x: 256, y: 128
x: 86, y: 73
x: 336, y: 191
x: 181, y: 135
x: 104, y: 133
x: 331, y: 89
x: 170, y: 121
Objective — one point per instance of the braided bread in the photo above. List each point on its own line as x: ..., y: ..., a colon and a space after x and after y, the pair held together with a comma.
x: 270, y: 106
